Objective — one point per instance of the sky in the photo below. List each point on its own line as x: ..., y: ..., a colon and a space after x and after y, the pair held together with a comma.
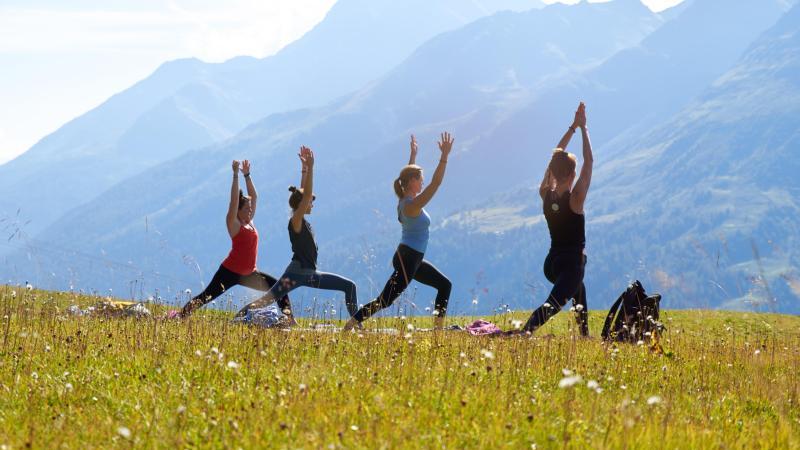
x: 61, y: 59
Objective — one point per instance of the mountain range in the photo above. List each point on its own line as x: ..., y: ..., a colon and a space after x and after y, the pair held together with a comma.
x: 187, y: 103
x: 688, y: 157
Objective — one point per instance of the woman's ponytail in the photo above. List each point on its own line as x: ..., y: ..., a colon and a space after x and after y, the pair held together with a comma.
x: 295, y: 197
x: 398, y: 187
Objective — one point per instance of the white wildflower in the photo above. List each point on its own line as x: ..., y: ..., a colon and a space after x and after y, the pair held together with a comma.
x: 569, y: 381
x: 592, y: 384
x: 654, y: 400
x: 233, y: 365
x: 68, y: 387
x: 124, y: 432
x: 181, y: 409
x: 354, y: 427
x: 517, y: 324
x: 566, y: 372
x: 188, y: 291
x: 488, y: 354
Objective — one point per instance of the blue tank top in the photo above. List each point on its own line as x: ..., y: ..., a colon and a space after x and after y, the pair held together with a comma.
x: 415, y: 229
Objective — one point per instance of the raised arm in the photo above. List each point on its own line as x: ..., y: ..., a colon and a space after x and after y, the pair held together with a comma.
x: 414, y: 207
x: 307, y: 157
x: 413, y: 158
x: 231, y: 219
x: 564, y: 142
x: 303, y: 169
x: 547, y: 180
x: 581, y: 188
x: 251, y: 188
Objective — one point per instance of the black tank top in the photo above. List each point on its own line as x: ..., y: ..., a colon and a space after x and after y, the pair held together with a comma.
x: 567, y: 229
x: 304, y: 246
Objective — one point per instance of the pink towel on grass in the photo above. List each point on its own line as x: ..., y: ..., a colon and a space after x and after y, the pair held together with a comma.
x: 482, y: 328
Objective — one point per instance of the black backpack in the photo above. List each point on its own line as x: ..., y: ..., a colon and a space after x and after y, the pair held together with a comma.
x: 634, y: 317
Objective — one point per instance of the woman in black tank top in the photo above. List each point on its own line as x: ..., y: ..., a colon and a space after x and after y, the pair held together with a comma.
x: 302, y: 270
x: 562, y: 203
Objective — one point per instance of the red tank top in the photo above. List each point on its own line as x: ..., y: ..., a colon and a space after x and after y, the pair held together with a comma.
x: 244, y: 249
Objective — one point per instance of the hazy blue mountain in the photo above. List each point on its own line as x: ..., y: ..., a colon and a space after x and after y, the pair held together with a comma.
x: 702, y: 208
x: 675, y: 11
x: 641, y: 86
x: 187, y: 103
x: 716, y: 188
x: 652, y: 211
x: 468, y: 80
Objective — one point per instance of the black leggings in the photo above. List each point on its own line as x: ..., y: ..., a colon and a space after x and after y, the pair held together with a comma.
x: 409, y: 265
x: 565, y: 269
x: 224, y: 279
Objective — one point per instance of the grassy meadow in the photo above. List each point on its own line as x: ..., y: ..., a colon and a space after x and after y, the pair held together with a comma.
x: 725, y: 380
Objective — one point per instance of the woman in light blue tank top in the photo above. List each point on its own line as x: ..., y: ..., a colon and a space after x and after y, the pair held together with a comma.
x: 409, y: 259
x: 415, y: 229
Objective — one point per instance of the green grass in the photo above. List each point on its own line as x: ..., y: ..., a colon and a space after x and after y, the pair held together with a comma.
x: 726, y: 380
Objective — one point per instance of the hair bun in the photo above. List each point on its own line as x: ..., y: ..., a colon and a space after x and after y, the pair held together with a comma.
x: 292, y: 189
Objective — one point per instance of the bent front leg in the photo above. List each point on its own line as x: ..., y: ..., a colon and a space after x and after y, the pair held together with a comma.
x: 429, y: 275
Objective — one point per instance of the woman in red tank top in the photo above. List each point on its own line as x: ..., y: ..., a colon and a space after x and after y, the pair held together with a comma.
x: 240, y: 265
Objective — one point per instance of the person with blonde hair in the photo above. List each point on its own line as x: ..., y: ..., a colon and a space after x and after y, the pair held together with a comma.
x: 563, y: 200
x: 409, y: 260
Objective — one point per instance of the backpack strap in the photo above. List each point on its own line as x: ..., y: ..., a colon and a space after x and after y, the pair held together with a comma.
x: 611, y: 313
